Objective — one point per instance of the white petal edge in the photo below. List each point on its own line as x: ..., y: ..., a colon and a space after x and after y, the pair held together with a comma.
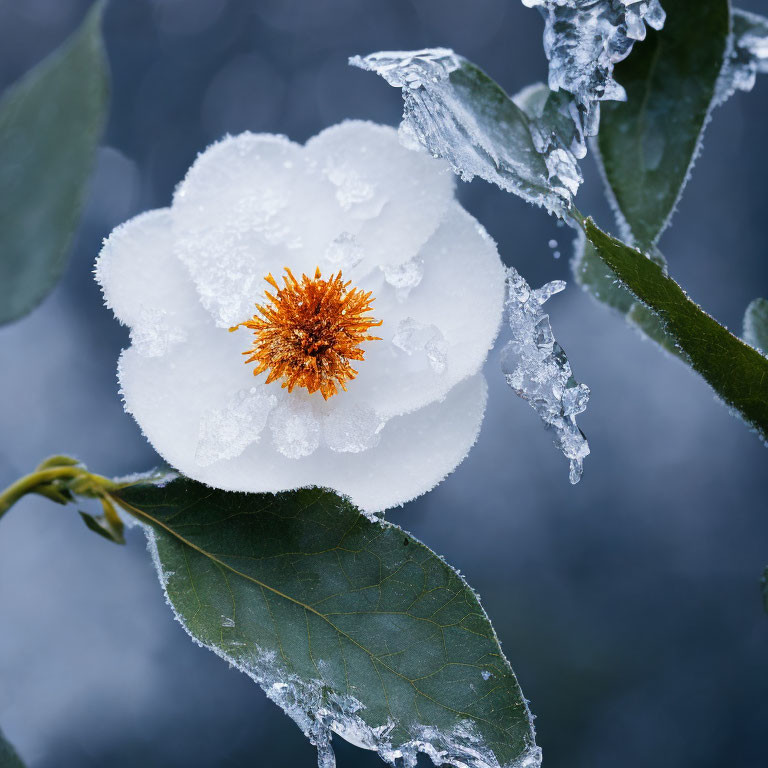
x: 415, y: 452
x: 146, y: 287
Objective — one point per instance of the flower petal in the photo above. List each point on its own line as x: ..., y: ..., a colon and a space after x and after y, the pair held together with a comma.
x: 242, y: 212
x: 145, y: 285
x: 442, y: 331
x: 171, y: 400
x: 393, y: 197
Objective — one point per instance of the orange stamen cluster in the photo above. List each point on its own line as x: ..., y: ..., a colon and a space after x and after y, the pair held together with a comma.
x: 309, y: 331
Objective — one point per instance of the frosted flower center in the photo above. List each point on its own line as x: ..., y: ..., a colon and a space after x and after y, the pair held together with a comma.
x: 309, y: 331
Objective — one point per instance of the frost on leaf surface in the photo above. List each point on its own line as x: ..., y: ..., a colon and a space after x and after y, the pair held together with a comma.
x: 351, y: 626
x: 747, y: 55
x: 455, y: 111
x: 537, y: 369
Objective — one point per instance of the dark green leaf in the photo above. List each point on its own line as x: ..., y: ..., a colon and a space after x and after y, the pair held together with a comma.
x: 8, y: 755
x: 592, y: 274
x: 736, y: 371
x: 50, y: 125
x: 649, y: 142
x: 99, y: 524
x: 349, y: 624
x: 756, y: 325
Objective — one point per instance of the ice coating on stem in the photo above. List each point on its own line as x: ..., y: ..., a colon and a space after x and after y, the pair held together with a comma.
x: 747, y: 55
x: 536, y: 368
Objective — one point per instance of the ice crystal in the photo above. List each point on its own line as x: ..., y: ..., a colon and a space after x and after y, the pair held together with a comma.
x: 584, y: 39
x: 747, y: 55
x: 537, y: 369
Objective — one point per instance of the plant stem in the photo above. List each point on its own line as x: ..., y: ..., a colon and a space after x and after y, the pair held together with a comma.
x: 94, y: 484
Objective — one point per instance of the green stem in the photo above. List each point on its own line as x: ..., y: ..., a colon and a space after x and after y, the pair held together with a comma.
x: 88, y: 484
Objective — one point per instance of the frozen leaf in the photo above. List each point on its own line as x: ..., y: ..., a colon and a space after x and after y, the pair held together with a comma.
x: 350, y: 625
x: 648, y: 144
x: 50, y: 125
x: 756, y: 325
x: 737, y: 372
x: 537, y: 369
x: 455, y: 111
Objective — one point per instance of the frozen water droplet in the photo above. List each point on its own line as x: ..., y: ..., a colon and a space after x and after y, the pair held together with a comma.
x: 404, y: 277
x: 344, y: 251
x: 552, y: 244
x: 415, y: 337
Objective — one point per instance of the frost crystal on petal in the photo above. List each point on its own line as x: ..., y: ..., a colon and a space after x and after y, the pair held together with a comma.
x: 404, y: 277
x: 344, y: 252
x: 352, y: 430
x: 537, y: 369
x: 295, y: 429
x: 154, y: 331
x: 226, y: 433
x: 747, y: 55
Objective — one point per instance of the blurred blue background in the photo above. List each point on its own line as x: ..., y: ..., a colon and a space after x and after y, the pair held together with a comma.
x: 628, y: 605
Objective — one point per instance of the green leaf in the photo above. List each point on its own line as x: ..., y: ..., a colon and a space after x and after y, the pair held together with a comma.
x: 649, y: 142
x: 9, y: 758
x: 756, y: 325
x: 349, y: 624
x: 50, y: 125
x: 736, y: 371
x: 592, y: 274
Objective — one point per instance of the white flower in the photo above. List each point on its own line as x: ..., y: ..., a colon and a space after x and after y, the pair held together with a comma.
x: 352, y: 199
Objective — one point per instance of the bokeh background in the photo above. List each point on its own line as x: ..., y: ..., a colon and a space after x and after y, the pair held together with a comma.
x: 629, y: 605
